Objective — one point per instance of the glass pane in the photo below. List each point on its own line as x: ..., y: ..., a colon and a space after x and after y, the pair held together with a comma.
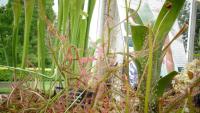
x: 197, y: 33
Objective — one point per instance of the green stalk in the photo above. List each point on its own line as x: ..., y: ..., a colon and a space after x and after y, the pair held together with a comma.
x: 41, y: 35
x: 62, y: 21
x: 17, y: 7
x: 81, y: 43
x: 127, y: 110
x: 41, y: 38
x: 149, y: 76
x: 65, y: 15
x: 75, y: 14
x: 91, y: 4
x: 60, y: 14
x: 29, y: 5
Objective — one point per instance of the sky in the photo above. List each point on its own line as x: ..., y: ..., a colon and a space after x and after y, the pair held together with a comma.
x: 3, y: 2
x: 55, y: 6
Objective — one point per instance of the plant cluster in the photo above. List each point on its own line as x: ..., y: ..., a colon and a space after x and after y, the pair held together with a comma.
x: 82, y: 80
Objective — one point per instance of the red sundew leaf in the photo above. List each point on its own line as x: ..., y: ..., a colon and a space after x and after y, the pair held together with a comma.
x: 62, y: 38
x: 83, y: 60
x: 83, y: 72
x: 69, y: 55
x: 91, y: 59
x: 86, y: 60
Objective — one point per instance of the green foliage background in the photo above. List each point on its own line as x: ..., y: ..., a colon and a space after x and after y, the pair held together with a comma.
x: 6, y: 26
x: 6, y: 19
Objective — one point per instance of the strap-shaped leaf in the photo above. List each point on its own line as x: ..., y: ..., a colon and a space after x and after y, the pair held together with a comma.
x: 60, y: 14
x: 75, y: 14
x: 28, y: 7
x: 41, y: 35
x: 17, y: 7
x: 166, y: 18
x: 65, y: 15
x: 138, y: 36
x: 91, y: 5
x: 82, y: 36
x: 164, y: 82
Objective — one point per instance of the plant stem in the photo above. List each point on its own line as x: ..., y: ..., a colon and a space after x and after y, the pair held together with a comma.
x: 41, y: 36
x: 91, y: 4
x: 60, y: 14
x: 41, y: 39
x: 127, y: 110
x: 149, y: 77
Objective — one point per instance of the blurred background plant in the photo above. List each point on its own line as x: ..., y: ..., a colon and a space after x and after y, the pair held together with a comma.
x: 6, y: 35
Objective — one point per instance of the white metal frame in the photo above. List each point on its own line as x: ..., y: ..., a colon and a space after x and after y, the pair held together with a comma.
x: 191, y: 31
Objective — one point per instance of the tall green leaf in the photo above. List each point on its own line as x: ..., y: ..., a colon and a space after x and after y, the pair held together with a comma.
x: 65, y: 15
x: 166, y: 18
x: 75, y: 14
x: 41, y: 35
x: 60, y: 14
x: 17, y: 7
x: 28, y: 6
x: 161, y: 28
x: 82, y: 37
x: 91, y: 4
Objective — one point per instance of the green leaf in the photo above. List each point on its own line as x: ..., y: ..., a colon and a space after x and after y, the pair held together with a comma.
x: 166, y: 18
x: 138, y: 36
x: 17, y: 7
x: 60, y: 14
x: 65, y: 15
x: 41, y: 35
x: 91, y: 5
x: 75, y: 14
x: 164, y: 82
x: 29, y: 7
x: 161, y: 28
x: 81, y: 43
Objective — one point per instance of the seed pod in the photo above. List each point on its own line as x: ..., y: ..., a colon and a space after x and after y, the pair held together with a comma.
x: 190, y: 74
